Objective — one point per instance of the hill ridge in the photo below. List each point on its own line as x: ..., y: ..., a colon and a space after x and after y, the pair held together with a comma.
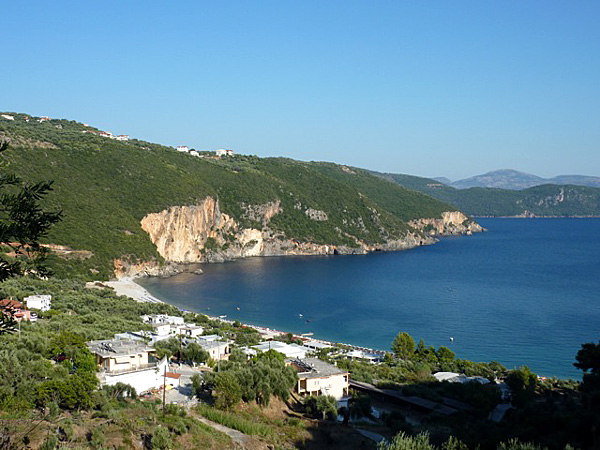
x: 107, y: 187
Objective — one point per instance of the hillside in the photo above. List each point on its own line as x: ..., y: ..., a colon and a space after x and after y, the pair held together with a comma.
x: 131, y: 205
x: 545, y: 200
x: 515, y: 180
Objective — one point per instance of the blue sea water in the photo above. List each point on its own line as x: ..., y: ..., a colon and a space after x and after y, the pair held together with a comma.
x: 525, y: 292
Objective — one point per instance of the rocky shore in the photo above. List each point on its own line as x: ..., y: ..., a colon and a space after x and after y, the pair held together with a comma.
x: 202, y: 233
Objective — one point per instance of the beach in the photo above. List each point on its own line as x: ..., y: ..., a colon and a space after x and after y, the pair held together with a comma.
x: 128, y: 287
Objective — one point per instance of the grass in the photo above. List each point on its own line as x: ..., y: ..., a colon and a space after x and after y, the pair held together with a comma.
x: 235, y: 421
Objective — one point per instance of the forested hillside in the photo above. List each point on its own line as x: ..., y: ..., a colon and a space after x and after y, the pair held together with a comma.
x: 546, y: 200
x: 105, y: 187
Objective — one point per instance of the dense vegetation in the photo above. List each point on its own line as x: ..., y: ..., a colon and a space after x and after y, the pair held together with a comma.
x: 105, y: 187
x: 545, y: 200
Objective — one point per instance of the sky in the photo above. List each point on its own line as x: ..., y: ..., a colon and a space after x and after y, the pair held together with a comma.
x: 429, y: 88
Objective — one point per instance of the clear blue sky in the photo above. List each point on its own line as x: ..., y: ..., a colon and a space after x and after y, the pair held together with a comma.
x: 448, y: 88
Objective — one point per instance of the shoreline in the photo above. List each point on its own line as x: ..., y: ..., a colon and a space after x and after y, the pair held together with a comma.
x: 128, y: 287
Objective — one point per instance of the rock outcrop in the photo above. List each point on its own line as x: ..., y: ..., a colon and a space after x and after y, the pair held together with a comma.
x: 203, y: 233
x: 451, y: 223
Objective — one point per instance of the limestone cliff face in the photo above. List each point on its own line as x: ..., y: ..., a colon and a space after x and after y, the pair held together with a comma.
x: 202, y: 233
x: 182, y: 232
x: 125, y: 268
x: 451, y: 222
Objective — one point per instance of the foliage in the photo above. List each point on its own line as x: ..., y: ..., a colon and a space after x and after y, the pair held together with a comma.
x: 522, y: 382
x: 105, y: 187
x: 234, y: 421
x: 7, y: 323
x: 255, y: 380
x: 320, y: 406
x: 403, y: 345
x: 46, y: 363
x: 538, y: 200
x: 23, y: 223
x: 161, y: 439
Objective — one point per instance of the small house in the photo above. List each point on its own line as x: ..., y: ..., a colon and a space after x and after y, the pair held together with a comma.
x: 316, y: 377
x: 15, y: 310
x: 41, y: 302
x: 288, y: 350
x: 217, y: 350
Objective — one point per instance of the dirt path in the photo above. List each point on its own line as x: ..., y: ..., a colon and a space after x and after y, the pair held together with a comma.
x: 241, y: 440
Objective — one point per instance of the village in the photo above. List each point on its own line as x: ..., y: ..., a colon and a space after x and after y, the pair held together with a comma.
x: 133, y: 358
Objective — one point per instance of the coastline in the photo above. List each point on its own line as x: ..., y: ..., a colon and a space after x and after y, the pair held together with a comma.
x: 128, y: 287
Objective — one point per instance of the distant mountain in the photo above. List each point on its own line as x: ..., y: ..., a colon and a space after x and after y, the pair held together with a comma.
x: 515, y: 180
x: 546, y: 200
x: 444, y: 180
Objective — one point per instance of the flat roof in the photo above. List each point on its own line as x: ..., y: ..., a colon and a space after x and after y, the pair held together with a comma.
x: 118, y: 347
x: 315, y: 368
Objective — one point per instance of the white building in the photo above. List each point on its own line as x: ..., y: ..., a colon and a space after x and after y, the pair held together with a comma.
x: 183, y: 148
x: 224, y: 152
x: 359, y: 354
x: 41, y: 302
x: 315, y: 346
x: 217, y: 350
x: 452, y: 377
x: 288, y: 350
x: 7, y: 117
x: 131, y: 362
x: 190, y: 330
x: 122, y: 137
x: 316, y: 377
x: 163, y: 318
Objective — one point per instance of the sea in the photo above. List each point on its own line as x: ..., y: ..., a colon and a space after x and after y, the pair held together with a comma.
x: 525, y: 292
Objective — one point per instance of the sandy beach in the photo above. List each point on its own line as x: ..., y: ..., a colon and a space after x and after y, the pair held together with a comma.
x: 127, y: 286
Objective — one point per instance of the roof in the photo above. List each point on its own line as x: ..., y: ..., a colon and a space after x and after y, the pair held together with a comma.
x: 316, y: 344
x: 289, y: 350
x: 207, y: 345
x: 9, y: 303
x: 118, y: 347
x: 173, y: 375
x: 315, y: 368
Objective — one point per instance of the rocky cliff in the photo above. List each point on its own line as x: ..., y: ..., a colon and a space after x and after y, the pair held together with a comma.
x: 203, y: 233
x: 451, y: 223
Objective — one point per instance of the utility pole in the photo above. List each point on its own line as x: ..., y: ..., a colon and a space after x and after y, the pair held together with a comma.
x: 164, y: 390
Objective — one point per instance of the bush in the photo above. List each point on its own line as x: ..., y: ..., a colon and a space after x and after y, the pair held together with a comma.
x: 161, y: 439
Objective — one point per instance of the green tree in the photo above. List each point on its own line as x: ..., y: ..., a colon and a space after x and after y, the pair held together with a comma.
x: 321, y: 406
x: 227, y: 390
x: 23, y: 223
x: 195, y: 353
x: 403, y: 345
x: 588, y: 358
x: 522, y: 382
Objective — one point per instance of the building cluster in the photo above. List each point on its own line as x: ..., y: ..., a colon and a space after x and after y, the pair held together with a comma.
x: 131, y: 358
x: 25, y: 118
x: 22, y: 311
x: 108, y: 134
x: 218, y: 153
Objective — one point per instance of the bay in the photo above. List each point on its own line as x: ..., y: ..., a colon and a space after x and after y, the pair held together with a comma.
x: 525, y: 292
